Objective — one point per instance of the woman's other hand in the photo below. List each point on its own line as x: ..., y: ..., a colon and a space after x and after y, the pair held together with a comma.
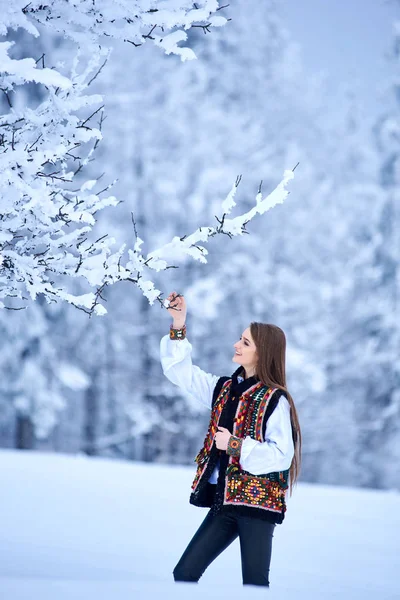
x: 177, y: 309
x: 222, y: 438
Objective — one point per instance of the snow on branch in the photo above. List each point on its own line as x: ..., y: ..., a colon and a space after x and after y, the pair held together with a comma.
x: 22, y: 71
x: 47, y: 218
x: 181, y: 247
x: 136, y: 21
x: 45, y: 221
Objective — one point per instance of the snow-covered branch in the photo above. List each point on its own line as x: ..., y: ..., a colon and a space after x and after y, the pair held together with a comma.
x: 45, y: 221
x: 136, y: 21
x: 46, y: 217
x: 48, y: 214
x: 47, y: 224
x: 180, y: 247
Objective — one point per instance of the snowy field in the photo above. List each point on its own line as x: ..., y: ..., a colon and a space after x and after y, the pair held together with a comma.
x: 77, y: 528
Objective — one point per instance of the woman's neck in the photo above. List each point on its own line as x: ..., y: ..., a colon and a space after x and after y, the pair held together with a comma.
x: 248, y: 374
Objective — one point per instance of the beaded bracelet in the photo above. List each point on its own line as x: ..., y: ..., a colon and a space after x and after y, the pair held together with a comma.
x: 234, y: 446
x: 177, y: 334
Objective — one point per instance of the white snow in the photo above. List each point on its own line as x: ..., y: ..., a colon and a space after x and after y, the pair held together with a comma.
x: 78, y: 528
x: 73, y: 377
x: 170, y: 45
x: 25, y: 70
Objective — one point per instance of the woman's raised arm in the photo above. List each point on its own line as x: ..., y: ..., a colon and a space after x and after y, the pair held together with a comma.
x: 176, y: 358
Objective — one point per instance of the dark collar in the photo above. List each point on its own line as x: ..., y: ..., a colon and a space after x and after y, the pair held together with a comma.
x: 237, y: 388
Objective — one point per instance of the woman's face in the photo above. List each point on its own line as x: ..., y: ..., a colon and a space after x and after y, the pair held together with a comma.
x: 245, y: 352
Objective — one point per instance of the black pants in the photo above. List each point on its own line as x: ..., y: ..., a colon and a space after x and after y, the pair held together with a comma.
x: 215, y: 534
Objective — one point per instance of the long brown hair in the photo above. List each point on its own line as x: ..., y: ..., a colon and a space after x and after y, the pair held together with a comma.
x: 270, y: 343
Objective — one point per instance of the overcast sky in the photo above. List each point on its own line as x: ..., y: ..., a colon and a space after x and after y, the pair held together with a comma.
x: 347, y: 40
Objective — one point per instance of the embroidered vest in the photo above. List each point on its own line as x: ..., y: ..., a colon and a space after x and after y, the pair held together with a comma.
x: 265, y: 492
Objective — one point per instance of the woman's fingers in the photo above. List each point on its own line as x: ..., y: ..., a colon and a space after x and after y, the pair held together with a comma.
x: 176, y: 302
x: 176, y: 299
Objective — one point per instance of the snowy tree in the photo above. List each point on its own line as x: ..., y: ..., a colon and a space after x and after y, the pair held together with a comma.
x: 375, y: 294
x: 360, y: 289
x: 49, y: 141
x: 46, y: 219
x: 352, y: 328
x: 38, y: 374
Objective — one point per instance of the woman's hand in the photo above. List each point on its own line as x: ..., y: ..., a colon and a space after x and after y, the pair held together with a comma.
x: 222, y: 438
x: 177, y: 309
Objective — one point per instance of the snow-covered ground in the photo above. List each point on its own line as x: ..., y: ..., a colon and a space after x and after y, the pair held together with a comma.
x: 77, y: 528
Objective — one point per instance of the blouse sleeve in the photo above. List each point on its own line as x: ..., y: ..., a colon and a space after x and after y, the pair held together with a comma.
x: 176, y: 362
x: 276, y: 453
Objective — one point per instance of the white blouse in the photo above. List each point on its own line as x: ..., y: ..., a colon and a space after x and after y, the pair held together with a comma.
x: 275, y: 454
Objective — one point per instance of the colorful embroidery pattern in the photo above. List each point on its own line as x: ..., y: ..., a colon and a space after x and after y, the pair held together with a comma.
x: 177, y: 334
x: 203, y: 455
x: 251, y: 413
x: 234, y: 446
x: 244, y: 489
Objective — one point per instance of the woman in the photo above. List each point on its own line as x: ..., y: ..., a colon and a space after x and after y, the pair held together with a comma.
x: 251, y: 453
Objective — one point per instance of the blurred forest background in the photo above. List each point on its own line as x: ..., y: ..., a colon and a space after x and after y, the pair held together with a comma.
x: 324, y: 266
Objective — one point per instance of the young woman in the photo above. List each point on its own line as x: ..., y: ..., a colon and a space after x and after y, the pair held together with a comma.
x: 251, y: 453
